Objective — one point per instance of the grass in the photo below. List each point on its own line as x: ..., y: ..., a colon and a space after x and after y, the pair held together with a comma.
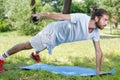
x: 74, y: 54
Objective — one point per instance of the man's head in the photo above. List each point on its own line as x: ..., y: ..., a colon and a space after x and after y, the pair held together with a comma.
x: 101, y: 18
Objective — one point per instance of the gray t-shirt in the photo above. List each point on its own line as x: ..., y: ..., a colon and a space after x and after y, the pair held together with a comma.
x: 74, y: 30
x: 59, y: 32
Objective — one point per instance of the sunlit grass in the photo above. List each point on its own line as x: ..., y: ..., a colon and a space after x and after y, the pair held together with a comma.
x: 74, y: 54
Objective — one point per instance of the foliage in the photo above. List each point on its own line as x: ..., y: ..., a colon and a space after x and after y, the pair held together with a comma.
x: 47, y: 8
x: 34, y: 28
x: 56, y: 4
x: 83, y: 6
x: 18, y: 12
x: 89, y: 4
x: 112, y: 6
x: 1, y: 9
x: 4, y: 26
x: 77, y: 7
x: 40, y: 7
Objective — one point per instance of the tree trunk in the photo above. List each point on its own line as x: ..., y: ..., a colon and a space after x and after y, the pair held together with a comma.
x: 33, y: 7
x: 67, y: 4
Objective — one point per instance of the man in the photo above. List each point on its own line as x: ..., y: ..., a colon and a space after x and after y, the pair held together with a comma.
x: 70, y: 28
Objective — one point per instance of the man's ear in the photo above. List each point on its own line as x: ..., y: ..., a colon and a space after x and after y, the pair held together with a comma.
x: 96, y: 19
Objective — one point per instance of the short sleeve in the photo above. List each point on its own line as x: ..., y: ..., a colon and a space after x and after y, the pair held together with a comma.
x: 77, y: 17
x: 96, y: 36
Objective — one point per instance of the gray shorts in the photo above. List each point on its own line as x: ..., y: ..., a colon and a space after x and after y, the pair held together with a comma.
x: 44, y: 39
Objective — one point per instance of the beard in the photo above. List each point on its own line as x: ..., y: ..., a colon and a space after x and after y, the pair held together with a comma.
x: 99, y: 26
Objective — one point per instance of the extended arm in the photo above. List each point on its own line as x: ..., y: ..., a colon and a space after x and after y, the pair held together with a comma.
x: 55, y: 16
x: 98, y: 56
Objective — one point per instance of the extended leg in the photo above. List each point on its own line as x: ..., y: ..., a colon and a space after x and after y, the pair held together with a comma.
x: 19, y: 47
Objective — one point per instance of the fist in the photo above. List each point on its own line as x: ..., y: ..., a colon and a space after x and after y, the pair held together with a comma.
x: 34, y: 18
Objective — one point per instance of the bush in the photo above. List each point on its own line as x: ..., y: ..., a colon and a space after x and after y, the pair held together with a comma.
x: 77, y: 7
x: 18, y: 13
x: 29, y: 29
x: 4, y: 26
x: 34, y: 28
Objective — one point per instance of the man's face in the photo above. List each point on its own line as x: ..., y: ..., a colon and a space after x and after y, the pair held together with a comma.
x: 101, y: 22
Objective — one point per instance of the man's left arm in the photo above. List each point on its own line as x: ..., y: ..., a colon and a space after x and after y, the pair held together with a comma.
x: 98, y: 56
x: 52, y: 15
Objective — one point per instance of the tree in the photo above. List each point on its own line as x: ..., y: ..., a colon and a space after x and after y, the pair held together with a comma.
x: 113, y: 7
x: 67, y: 5
x: 33, y: 6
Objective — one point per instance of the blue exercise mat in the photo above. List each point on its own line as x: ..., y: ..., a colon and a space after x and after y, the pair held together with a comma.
x: 66, y: 70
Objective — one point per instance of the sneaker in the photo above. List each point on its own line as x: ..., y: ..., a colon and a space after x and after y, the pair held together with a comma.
x: 35, y: 57
x: 1, y: 66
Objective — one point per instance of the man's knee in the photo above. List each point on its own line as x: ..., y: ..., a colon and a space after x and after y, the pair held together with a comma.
x: 27, y: 45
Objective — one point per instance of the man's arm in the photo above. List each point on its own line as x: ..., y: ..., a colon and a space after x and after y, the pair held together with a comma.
x: 98, y: 56
x: 55, y: 16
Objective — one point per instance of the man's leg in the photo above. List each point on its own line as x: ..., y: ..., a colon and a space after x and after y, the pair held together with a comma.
x: 19, y: 47
x: 13, y: 50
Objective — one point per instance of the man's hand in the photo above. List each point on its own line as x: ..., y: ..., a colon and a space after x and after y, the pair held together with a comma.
x: 34, y: 18
x: 99, y: 72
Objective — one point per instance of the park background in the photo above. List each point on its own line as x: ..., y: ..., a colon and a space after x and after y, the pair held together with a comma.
x: 16, y: 26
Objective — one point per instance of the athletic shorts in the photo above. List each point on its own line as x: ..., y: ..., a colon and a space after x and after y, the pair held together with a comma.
x: 44, y: 39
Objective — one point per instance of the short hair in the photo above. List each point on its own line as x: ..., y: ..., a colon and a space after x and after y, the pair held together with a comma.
x: 98, y: 12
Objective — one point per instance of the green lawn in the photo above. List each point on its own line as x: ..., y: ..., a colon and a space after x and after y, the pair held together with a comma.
x: 74, y: 54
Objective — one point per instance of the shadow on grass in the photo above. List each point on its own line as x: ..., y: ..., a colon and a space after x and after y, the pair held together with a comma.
x: 14, y: 63
x: 111, y: 61
x: 109, y: 36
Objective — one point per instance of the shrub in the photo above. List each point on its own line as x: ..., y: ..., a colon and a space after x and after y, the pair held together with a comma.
x: 34, y: 28
x: 4, y: 26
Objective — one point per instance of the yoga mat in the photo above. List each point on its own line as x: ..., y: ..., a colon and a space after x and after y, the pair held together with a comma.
x: 66, y: 70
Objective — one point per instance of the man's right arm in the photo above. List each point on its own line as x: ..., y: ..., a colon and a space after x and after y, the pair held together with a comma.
x: 98, y: 56
x: 55, y: 16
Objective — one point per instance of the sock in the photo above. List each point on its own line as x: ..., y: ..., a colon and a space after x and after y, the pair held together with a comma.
x: 36, y: 52
x: 3, y: 56
x: 7, y: 54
